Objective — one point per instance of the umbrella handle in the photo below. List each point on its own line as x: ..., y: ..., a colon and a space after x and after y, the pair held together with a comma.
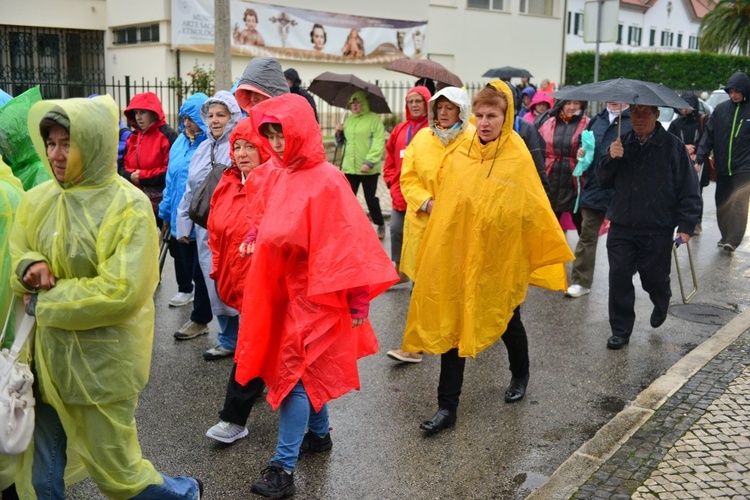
x: 343, y: 117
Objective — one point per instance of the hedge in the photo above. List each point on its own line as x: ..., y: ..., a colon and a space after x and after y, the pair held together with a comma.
x: 683, y: 70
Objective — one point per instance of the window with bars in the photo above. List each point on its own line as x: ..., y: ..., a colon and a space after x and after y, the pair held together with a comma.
x: 131, y: 35
x: 693, y: 42
x: 66, y: 63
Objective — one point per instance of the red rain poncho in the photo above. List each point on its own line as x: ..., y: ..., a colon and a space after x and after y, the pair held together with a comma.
x: 229, y: 222
x: 314, y: 244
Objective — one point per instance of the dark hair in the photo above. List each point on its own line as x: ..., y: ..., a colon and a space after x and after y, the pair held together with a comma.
x: 325, y: 35
x: 250, y: 12
x: 269, y: 127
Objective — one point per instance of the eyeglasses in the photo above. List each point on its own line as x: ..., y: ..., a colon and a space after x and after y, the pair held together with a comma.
x: 414, y: 101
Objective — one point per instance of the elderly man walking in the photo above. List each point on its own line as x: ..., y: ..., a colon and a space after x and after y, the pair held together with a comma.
x: 655, y: 190
x: 729, y: 138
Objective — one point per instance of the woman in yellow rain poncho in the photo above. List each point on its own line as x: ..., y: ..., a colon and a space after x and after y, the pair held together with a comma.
x: 84, y: 252
x: 10, y: 195
x: 491, y: 232
x: 422, y: 171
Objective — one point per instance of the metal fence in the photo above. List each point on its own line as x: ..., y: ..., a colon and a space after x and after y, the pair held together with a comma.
x: 171, y: 97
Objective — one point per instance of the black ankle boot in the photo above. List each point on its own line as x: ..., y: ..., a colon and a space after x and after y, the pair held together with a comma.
x: 517, y: 389
x: 439, y: 421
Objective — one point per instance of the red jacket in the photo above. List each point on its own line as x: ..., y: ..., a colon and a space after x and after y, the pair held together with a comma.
x: 229, y: 222
x: 314, y: 245
x: 148, y: 150
x: 395, y: 146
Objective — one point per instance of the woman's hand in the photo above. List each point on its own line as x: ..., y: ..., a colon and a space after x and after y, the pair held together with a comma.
x: 39, y: 277
x: 246, y: 249
x: 365, y: 168
x: 185, y: 240
x: 581, y: 153
x: 135, y: 177
x: 429, y: 206
x: 339, y: 128
x: 358, y: 321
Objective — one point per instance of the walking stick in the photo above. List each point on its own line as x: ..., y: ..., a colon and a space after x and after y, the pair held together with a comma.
x: 689, y: 297
x: 163, y: 249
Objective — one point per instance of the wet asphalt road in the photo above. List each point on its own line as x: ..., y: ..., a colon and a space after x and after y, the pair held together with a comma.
x: 496, y: 450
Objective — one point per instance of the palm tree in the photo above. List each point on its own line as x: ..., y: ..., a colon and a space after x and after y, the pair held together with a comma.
x: 727, y: 28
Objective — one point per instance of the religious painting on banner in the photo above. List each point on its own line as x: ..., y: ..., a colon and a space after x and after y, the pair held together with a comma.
x: 298, y: 34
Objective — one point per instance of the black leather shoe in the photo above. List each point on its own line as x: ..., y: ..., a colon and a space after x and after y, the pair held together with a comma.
x: 517, y: 389
x: 439, y: 421
x: 615, y: 342
x: 658, y: 317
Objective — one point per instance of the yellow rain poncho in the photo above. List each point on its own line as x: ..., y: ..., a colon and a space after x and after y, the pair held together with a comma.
x: 95, y: 327
x: 10, y: 195
x: 491, y: 227
x: 422, y: 171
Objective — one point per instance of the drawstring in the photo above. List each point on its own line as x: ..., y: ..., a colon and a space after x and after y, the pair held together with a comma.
x: 494, y: 156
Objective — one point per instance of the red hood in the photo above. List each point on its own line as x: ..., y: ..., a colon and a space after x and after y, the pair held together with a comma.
x: 425, y: 93
x: 541, y: 97
x: 148, y: 101
x: 303, y: 142
x: 245, y: 130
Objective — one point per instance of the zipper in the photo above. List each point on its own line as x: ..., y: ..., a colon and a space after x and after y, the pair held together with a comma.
x: 731, y: 138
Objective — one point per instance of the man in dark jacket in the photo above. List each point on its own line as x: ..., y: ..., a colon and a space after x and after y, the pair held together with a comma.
x: 594, y: 200
x: 689, y: 128
x: 655, y: 190
x: 294, y: 81
x: 728, y: 137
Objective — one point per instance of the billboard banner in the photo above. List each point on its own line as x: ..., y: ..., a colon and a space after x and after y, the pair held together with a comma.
x: 298, y: 34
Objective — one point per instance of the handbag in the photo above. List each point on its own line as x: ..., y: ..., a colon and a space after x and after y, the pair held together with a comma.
x: 16, y: 393
x: 200, y: 205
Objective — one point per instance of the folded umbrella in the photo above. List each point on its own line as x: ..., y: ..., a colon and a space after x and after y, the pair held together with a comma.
x: 336, y: 89
x: 425, y: 68
x: 506, y: 73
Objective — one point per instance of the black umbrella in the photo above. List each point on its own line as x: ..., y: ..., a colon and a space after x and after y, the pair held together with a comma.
x: 336, y: 89
x: 507, y: 72
x: 623, y: 90
x: 425, y: 68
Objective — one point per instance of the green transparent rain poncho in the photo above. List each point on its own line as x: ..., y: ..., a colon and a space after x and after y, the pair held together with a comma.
x: 95, y: 327
x: 15, y: 143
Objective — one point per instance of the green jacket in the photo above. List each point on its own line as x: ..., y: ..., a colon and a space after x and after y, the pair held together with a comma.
x: 364, y: 139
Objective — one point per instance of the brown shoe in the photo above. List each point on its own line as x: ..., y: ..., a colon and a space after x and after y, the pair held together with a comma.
x: 404, y: 356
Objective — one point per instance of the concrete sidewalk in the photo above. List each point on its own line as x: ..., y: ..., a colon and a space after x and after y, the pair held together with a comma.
x: 685, y: 436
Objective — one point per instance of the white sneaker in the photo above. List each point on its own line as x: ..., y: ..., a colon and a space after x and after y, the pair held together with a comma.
x: 227, y: 432
x: 217, y: 352
x: 577, y: 291
x: 181, y: 299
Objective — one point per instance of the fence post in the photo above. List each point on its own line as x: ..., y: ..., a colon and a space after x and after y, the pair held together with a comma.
x: 127, y: 90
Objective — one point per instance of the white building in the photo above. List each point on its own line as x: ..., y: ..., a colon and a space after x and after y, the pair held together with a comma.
x: 651, y: 25
x: 68, y: 45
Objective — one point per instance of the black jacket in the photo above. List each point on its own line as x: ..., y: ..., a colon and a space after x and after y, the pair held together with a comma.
x: 655, y: 185
x: 592, y: 196
x: 536, y: 145
x: 728, y: 129
x: 689, y: 128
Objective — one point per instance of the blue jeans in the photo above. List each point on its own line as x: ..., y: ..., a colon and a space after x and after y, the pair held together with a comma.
x: 228, y: 326
x: 48, y: 468
x: 296, y: 414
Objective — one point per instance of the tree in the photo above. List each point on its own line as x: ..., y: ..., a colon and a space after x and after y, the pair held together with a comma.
x: 727, y: 28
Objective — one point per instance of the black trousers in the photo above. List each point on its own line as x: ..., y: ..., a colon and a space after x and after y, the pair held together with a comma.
x: 183, y: 256
x: 240, y: 398
x: 648, y: 254
x: 201, y: 302
x: 370, y: 188
x: 732, y: 197
x: 452, y: 366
